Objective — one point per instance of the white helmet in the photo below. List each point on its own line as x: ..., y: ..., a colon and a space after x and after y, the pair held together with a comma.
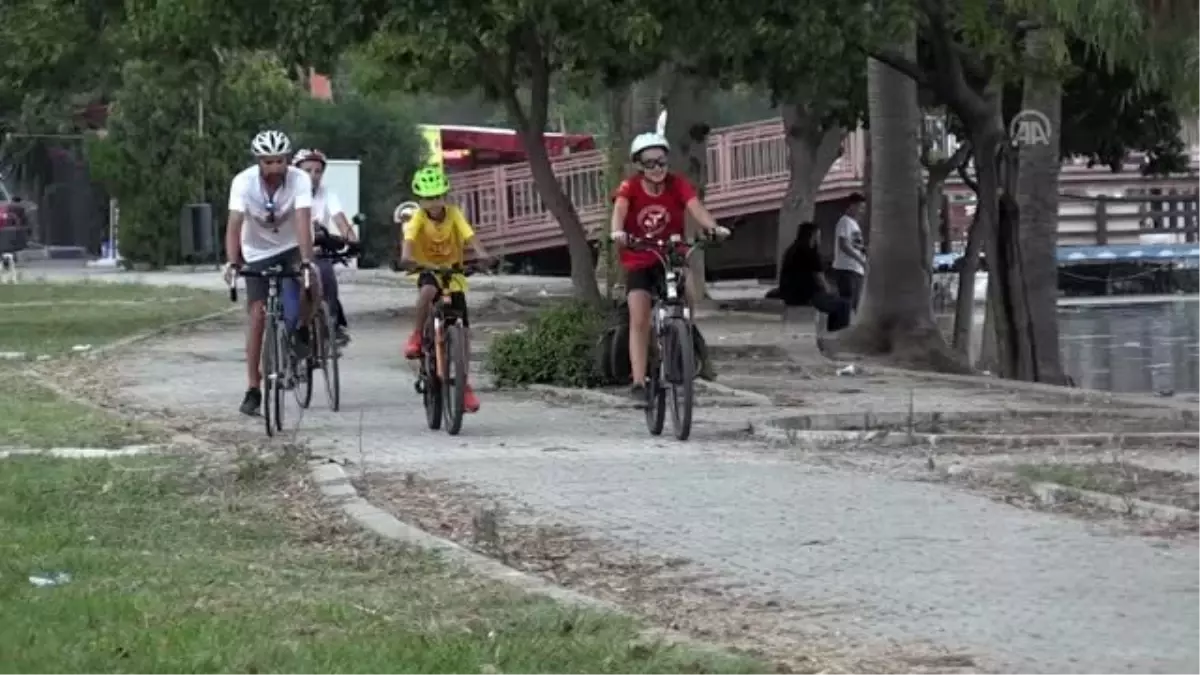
x: 646, y: 141
x: 405, y: 211
x: 303, y: 155
x: 270, y: 143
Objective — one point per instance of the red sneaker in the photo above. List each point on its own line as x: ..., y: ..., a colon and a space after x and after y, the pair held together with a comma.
x: 412, y: 348
x: 470, y: 400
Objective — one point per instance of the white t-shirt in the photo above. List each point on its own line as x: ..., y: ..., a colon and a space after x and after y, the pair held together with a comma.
x: 326, y: 206
x: 848, y: 229
x: 248, y: 195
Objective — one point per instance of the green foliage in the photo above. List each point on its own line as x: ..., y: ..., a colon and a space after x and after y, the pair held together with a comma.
x: 384, y: 140
x: 555, y: 347
x: 154, y: 160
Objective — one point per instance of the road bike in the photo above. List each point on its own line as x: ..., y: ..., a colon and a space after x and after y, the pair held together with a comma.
x: 324, y: 351
x: 671, y: 366
x: 442, y: 370
x: 278, y: 365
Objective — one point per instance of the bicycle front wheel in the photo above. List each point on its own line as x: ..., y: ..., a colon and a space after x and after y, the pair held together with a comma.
x: 268, y: 367
x: 283, y: 370
x: 656, y: 396
x: 681, y: 375
x: 454, y: 379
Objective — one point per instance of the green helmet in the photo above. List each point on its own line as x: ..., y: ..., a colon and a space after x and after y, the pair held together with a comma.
x: 430, y: 182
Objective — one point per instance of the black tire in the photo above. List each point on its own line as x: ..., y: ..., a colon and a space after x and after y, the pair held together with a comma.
x: 268, y: 366
x: 283, y: 367
x: 455, y: 382
x: 304, y: 391
x: 681, y: 376
x: 329, y: 358
x: 432, y: 386
x: 656, y: 396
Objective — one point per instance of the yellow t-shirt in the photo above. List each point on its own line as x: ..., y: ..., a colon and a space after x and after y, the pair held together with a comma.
x: 440, y: 243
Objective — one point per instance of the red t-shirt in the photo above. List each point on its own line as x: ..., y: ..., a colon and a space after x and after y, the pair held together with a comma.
x: 657, y: 216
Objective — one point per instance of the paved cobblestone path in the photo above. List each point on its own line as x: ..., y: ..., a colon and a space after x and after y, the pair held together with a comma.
x: 876, y: 558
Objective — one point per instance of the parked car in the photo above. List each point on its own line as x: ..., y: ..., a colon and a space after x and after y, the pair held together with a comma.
x: 14, y: 222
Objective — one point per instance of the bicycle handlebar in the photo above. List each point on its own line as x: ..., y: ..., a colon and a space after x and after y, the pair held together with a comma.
x: 269, y: 273
x: 657, y: 246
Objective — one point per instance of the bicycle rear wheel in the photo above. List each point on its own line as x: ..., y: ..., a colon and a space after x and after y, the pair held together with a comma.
x: 268, y: 366
x: 304, y: 390
x: 455, y: 378
x: 329, y: 355
x: 681, y: 375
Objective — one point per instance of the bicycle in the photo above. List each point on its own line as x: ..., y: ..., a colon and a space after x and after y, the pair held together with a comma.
x: 277, y: 362
x: 442, y: 370
x: 671, y: 364
x: 324, y: 352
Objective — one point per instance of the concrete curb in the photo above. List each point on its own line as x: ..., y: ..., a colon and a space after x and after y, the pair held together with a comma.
x: 573, y: 395
x: 717, y: 387
x: 335, y: 484
x: 1054, y: 493
x: 986, y: 381
x: 161, y: 330
x: 764, y: 429
x: 80, y: 453
x: 898, y: 422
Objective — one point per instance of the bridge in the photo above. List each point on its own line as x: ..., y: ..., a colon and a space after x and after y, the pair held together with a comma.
x: 747, y: 179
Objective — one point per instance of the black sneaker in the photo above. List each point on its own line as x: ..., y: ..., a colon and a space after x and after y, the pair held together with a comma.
x: 340, y: 337
x: 637, y: 392
x: 251, y: 402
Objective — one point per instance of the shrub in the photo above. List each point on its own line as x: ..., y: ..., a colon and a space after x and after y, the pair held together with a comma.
x: 557, y: 346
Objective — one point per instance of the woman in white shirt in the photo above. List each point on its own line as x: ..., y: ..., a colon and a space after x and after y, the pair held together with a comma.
x: 326, y: 209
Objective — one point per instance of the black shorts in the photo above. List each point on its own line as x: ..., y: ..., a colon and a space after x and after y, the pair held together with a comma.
x: 458, y: 299
x: 652, y: 279
x: 256, y: 287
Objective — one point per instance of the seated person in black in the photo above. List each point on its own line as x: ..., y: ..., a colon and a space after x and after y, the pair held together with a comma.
x: 802, y: 279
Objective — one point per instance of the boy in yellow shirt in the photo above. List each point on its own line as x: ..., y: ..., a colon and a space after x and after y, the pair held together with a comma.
x: 437, y: 235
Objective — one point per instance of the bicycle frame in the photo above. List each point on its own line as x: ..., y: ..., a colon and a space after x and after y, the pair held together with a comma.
x: 444, y: 276
x: 675, y: 266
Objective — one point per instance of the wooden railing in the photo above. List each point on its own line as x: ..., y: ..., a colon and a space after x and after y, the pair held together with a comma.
x: 747, y: 173
x: 1103, y: 220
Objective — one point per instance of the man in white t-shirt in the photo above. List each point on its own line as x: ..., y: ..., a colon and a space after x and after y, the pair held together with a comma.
x: 270, y: 223
x: 850, y: 252
x: 326, y: 210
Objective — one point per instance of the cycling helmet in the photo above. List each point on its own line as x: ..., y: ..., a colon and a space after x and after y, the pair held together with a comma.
x: 405, y: 211
x: 270, y: 143
x: 647, y: 141
x: 306, y: 155
x: 430, y: 183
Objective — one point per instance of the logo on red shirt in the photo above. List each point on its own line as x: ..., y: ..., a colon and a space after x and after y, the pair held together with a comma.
x: 654, y: 218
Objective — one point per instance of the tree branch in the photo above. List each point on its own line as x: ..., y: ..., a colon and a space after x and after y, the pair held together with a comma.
x: 902, y: 64
x: 962, y: 171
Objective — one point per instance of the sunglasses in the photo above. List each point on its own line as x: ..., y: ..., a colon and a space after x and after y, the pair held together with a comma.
x: 650, y: 164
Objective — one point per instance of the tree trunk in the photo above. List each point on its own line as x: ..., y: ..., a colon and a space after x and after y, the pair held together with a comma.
x: 811, y: 151
x: 687, y: 131
x: 620, y: 125
x: 964, y: 304
x: 647, y: 102
x: 1037, y: 199
x: 531, y: 125
x: 896, y: 319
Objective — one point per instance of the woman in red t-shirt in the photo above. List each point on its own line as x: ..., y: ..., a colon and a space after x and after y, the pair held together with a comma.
x: 655, y: 204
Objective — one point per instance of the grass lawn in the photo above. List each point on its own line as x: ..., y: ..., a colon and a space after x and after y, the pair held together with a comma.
x: 242, y: 572
x: 51, y: 318
x: 174, y: 568
x: 32, y: 416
